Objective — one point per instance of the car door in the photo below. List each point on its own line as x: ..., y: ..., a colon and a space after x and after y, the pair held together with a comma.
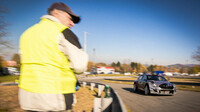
x: 143, y: 82
x: 140, y: 81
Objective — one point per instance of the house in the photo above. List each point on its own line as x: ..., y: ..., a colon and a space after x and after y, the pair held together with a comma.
x: 103, y: 70
x: 9, y: 63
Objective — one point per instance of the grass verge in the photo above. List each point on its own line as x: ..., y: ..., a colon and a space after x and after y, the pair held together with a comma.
x: 188, y: 88
x: 9, y: 78
x: 9, y: 99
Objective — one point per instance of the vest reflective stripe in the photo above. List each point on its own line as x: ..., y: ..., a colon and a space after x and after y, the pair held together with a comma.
x: 44, y: 68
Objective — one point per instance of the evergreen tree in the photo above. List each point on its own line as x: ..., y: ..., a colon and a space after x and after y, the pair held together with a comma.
x: 113, y: 64
x: 1, y: 62
x: 118, y: 64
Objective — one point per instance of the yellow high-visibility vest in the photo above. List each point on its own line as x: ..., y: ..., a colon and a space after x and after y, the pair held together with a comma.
x: 44, y: 68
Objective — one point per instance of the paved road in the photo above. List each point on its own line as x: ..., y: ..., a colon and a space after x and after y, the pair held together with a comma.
x: 183, y: 101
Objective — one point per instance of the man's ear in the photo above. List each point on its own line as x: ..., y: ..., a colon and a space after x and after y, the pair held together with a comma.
x: 55, y: 12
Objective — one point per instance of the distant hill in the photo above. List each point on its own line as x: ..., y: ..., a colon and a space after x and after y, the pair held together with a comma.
x: 182, y: 65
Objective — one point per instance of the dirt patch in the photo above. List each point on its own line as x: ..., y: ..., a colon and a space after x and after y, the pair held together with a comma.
x: 85, y: 99
x: 9, y: 99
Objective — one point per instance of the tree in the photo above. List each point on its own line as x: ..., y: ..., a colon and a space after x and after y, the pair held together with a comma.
x: 1, y: 60
x: 118, y: 64
x: 194, y: 70
x: 182, y: 70
x: 1, y: 63
x: 160, y: 68
x: 133, y: 65
x: 118, y: 69
x: 143, y: 69
x: 196, y: 55
x: 138, y: 67
x: 125, y: 68
x: 90, y: 65
x: 113, y: 64
x: 16, y: 58
x: 151, y: 68
x: 174, y: 70
x: 101, y: 64
x: 3, y: 42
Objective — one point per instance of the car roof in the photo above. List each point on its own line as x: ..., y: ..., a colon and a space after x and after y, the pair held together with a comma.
x: 152, y: 75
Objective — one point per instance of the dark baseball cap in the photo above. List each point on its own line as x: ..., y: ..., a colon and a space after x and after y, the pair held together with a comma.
x: 64, y: 7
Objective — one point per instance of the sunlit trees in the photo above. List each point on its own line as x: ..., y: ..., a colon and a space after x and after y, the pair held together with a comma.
x: 143, y: 69
x: 183, y: 70
x: 116, y: 66
x: 151, y: 68
x: 160, y: 68
x: 101, y: 64
x: 126, y: 68
x: 90, y: 65
x: 138, y: 67
x: 194, y: 70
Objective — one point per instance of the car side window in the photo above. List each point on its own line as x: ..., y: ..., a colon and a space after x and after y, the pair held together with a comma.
x: 162, y: 79
x: 140, y: 77
x: 144, y: 78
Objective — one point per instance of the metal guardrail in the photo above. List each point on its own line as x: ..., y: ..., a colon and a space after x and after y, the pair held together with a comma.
x: 117, y: 104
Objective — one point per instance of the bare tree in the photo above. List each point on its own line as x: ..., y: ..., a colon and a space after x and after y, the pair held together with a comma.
x: 196, y: 55
x: 4, y: 43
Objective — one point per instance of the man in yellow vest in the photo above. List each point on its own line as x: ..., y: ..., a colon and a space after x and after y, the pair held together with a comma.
x: 50, y: 54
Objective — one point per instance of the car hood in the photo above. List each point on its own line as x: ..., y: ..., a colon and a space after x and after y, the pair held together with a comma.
x: 160, y: 82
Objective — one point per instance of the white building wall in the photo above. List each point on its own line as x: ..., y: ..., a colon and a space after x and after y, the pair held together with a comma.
x: 103, y: 70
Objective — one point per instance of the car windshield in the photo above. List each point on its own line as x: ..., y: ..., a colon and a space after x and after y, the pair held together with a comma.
x: 156, y: 78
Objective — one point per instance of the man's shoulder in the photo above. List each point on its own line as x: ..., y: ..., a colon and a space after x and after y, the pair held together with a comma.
x: 71, y: 37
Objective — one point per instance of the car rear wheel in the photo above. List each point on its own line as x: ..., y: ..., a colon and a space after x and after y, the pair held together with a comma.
x: 135, y: 88
x: 146, y: 90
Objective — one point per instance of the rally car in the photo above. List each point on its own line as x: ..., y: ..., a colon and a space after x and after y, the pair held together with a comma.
x: 154, y: 84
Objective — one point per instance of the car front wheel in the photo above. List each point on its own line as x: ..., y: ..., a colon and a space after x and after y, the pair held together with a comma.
x: 134, y: 88
x: 146, y: 90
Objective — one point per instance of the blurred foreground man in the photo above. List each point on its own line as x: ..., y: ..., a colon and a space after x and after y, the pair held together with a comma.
x: 50, y: 54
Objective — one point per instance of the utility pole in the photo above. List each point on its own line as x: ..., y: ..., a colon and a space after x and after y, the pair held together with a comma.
x: 94, y: 55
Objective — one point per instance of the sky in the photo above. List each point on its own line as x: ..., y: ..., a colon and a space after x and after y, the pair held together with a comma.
x: 161, y: 32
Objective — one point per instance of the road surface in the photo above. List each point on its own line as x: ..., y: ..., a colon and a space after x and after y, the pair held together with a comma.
x: 183, y: 101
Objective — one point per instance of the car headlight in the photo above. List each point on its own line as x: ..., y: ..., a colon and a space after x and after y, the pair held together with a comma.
x: 174, y: 85
x: 152, y: 84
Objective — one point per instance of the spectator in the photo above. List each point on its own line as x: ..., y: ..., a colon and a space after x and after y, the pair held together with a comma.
x: 50, y: 56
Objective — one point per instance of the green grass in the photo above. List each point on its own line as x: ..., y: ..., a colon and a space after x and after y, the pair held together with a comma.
x: 3, y: 110
x: 9, y: 78
x: 188, y: 88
